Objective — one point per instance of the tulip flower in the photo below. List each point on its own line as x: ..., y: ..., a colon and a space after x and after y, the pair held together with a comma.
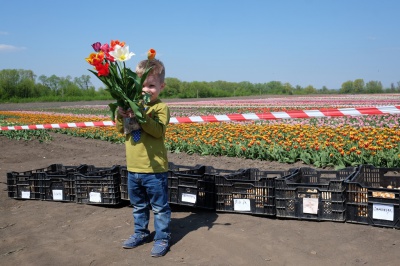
x: 109, y: 57
x: 115, y: 43
x: 121, y: 53
x: 95, y: 58
x: 124, y: 85
x: 90, y: 58
x: 96, y: 46
x: 105, y: 48
x: 151, y: 54
x: 102, y: 70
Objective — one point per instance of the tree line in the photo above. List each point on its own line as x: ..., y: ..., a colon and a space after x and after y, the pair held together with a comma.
x: 19, y: 85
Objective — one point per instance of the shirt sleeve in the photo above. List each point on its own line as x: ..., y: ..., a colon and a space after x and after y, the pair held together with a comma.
x: 157, y: 119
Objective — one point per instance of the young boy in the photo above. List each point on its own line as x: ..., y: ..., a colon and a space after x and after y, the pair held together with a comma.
x: 147, y: 164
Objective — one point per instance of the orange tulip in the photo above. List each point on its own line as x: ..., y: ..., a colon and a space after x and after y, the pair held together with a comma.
x: 95, y: 58
x: 116, y: 42
x: 151, y: 54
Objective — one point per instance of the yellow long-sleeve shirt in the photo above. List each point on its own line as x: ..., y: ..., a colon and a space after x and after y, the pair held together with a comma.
x: 149, y: 154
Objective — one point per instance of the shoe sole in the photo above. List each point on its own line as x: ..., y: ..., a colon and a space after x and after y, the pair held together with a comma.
x: 126, y: 247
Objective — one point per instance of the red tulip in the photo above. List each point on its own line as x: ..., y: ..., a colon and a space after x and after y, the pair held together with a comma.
x: 102, y: 70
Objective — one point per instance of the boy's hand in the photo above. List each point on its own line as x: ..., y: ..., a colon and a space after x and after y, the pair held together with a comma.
x: 127, y: 113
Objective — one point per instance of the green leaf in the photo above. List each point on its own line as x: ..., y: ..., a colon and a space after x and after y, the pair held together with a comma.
x: 113, y: 108
x: 137, y: 110
x: 146, y: 98
x: 144, y: 76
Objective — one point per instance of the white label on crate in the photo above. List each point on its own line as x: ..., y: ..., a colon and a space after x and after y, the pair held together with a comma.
x: 25, y: 194
x: 57, y: 194
x: 191, y: 198
x: 95, y: 197
x: 242, y: 205
x: 383, y: 212
x: 310, y: 205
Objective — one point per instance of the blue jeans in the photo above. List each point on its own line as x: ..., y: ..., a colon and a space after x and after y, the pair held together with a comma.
x: 150, y: 191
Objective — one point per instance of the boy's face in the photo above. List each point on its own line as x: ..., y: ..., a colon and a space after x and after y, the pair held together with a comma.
x: 153, y: 86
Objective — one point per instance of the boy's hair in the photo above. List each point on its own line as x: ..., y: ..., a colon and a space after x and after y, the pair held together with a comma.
x: 158, y: 68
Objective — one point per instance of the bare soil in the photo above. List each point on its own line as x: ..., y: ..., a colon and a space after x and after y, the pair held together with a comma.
x: 34, y: 232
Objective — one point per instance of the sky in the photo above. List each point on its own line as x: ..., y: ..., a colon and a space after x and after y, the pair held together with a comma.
x: 302, y: 42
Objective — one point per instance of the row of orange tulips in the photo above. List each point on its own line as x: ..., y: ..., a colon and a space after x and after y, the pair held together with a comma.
x: 315, y: 145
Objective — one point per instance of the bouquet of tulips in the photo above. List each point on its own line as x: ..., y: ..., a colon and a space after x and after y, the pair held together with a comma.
x: 124, y: 85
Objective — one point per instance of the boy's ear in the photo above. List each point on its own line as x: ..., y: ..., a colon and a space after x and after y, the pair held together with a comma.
x: 162, y: 85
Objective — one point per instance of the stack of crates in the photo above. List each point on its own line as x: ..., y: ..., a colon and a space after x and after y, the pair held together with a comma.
x: 55, y: 183
x: 373, y: 197
x: 194, y: 186
x: 99, y: 186
x: 23, y: 185
x: 248, y: 191
x: 313, y: 195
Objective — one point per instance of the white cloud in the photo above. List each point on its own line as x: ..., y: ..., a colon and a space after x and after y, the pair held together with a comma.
x: 10, y: 48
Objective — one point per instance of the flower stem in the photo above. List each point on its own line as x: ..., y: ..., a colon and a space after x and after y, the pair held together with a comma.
x: 124, y: 77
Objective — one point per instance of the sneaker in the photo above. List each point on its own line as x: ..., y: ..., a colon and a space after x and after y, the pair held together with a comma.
x: 135, y: 240
x: 160, y: 248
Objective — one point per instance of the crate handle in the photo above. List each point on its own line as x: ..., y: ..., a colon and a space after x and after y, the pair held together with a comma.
x: 245, y: 185
x: 312, y: 186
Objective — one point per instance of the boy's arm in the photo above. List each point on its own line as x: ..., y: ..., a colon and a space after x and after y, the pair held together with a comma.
x: 156, y: 122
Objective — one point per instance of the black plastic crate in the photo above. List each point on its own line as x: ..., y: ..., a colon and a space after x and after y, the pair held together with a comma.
x: 23, y: 185
x: 173, y: 179
x: 57, y: 182
x: 313, y: 194
x: 99, y: 186
x: 194, y: 187
x: 373, y: 197
x: 248, y: 191
x: 171, y: 167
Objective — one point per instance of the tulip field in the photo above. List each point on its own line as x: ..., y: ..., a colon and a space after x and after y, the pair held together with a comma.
x: 319, y: 141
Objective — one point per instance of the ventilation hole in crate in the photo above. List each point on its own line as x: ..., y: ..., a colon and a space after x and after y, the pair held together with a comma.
x: 290, y: 205
x: 327, y: 207
x: 362, y: 211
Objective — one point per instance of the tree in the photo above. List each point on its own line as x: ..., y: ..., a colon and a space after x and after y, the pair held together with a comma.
x: 274, y: 87
x: 83, y: 82
x: 347, y: 87
x: 16, y: 83
x: 358, y: 86
x: 310, y: 90
x: 2, y: 93
x: 25, y: 88
x: 298, y: 90
x: 172, y: 87
x: 374, y: 87
x: 248, y: 88
x: 201, y: 89
x: 287, y: 89
x: 9, y: 79
x: 324, y: 90
x: 52, y: 82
